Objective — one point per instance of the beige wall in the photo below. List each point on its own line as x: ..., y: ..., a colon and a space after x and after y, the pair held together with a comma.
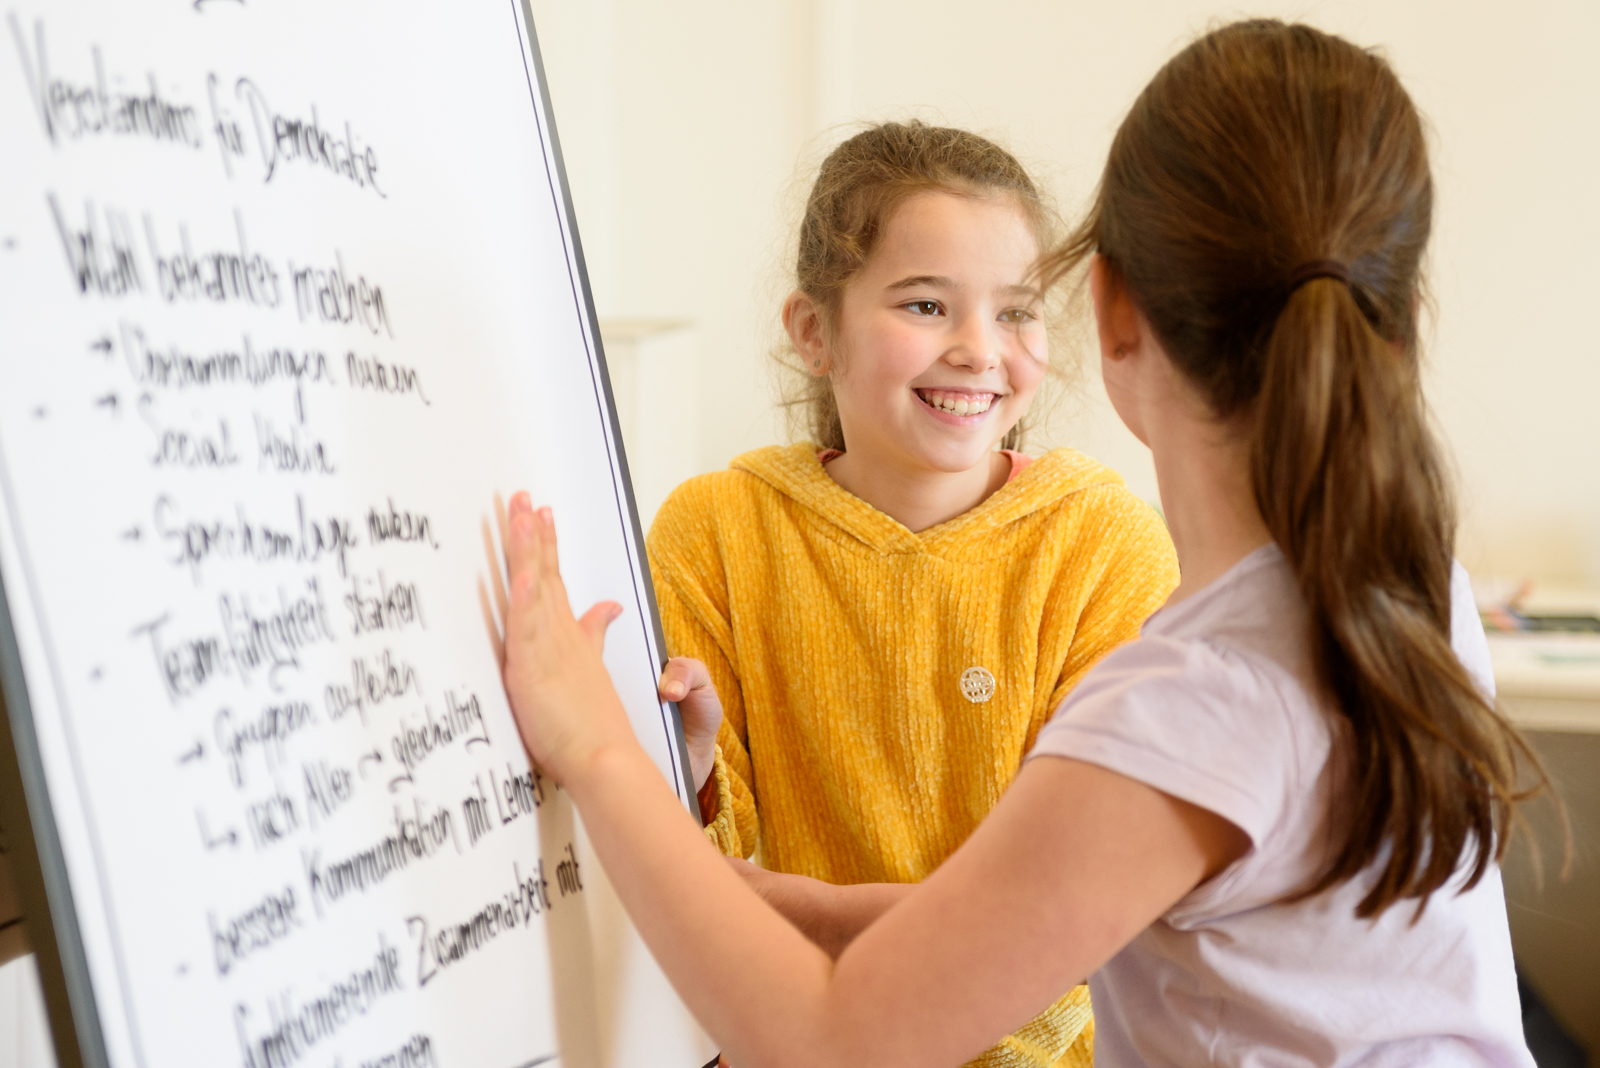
x: 684, y: 123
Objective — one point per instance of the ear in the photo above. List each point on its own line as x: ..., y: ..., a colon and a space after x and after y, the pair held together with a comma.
x: 803, y: 320
x: 1115, y: 315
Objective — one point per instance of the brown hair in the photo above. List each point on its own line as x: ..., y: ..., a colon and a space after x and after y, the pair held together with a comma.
x: 1261, y: 148
x: 857, y: 189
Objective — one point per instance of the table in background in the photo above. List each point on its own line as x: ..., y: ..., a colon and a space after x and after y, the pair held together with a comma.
x: 1550, y: 687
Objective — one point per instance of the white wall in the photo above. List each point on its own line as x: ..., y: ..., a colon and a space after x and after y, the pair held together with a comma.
x: 684, y: 123
x: 24, y: 1032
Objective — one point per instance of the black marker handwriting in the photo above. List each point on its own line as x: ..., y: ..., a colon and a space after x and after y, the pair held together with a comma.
x: 80, y: 109
x: 251, y: 640
x: 265, y: 922
x: 106, y: 265
x: 272, y: 818
x: 193, y: 543
x: 414, y: 1052
x: 295, y: 1029
x: 437, y: 950
x: 412, y: 744
x: 267, y: 732
x: 189, y: 449
x: 370, y: 684
x: 220, y: 275
x: 245, y: 364
x: 393, y: 378
x: 569, y: 874
x: 329, y: 295
x: 378, y: 606
x: 415, y: 836
x: 284, y: 139
x: 328, y: 787
x: 519, y: 794
x: 292, y: 453
x: 397, y: 525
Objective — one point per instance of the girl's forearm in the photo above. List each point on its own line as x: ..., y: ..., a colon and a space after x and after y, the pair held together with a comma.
x: 848, y: 910
x: 696, y: 915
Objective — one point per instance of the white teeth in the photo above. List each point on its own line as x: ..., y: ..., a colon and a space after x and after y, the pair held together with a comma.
x: 958, y: 405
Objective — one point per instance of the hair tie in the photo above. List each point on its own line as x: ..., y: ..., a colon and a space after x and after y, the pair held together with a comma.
x: 1318, y: 269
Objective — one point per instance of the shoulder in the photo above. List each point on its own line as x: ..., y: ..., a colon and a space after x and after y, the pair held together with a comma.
x: 1099, y: 523
x: 1072, y: 487
x: 711, y: 516
x: 700, y: 504
x: 1156, y: 677
x: 1205, y: 722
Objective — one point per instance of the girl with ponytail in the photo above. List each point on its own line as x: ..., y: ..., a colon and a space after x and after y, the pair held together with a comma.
x: 1291, y: 793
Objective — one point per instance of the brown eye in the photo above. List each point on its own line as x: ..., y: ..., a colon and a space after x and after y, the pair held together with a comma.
x: 1017, y: 315
x: 922, y: 307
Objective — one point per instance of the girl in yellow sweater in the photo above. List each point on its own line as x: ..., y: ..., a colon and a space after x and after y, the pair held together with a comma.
x: 890, y: 614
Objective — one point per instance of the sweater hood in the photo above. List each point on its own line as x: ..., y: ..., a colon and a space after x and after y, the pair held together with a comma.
x: 795, y: 472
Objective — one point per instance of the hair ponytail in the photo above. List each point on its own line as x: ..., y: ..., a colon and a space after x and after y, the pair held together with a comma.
x: 1349, y: 482
x: 1260, y: 150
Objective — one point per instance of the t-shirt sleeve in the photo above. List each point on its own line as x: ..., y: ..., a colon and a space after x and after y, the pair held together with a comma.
x: 1466, y: 631
x: 1196, y: 723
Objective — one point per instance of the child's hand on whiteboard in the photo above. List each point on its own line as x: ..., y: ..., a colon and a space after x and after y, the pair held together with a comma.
x: 560, y: 692
x: 687, y: 682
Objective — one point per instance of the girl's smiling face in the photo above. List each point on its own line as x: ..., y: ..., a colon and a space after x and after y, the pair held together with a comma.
x: 939, y: 346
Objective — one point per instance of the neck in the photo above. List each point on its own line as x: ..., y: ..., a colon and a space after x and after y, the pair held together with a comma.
x: 1203, y: 470
x: 920, y: 497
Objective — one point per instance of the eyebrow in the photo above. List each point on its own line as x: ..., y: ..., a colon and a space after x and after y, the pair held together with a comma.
x: 939, y: 281
x: 936, y: 281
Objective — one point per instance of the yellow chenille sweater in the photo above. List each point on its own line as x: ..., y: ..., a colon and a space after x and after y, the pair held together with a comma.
x: 838, y: 641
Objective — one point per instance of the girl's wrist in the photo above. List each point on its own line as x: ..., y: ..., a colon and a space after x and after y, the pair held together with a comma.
x: 619, y: 759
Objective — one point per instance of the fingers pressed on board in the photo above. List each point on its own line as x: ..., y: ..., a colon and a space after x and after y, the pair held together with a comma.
x: 524, y: 553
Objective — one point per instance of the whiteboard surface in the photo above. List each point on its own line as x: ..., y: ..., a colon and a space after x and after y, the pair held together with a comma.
x: 288, y: 294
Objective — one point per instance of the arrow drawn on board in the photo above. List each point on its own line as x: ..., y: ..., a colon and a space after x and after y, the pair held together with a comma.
x: 108, y: 401
x: 361, y: 765
x: 394, y: 783
x: 196, y: 753
x: 231, y: 839
x: 132, y: 534
x: 103, y: 346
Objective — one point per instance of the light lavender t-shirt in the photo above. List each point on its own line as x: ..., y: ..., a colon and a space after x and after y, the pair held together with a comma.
x: 1214, y: 705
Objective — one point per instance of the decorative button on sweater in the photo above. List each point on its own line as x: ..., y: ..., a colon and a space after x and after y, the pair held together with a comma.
x: 977, y: 684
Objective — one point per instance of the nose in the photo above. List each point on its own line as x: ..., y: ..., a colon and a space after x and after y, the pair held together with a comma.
x: 974, y: 344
